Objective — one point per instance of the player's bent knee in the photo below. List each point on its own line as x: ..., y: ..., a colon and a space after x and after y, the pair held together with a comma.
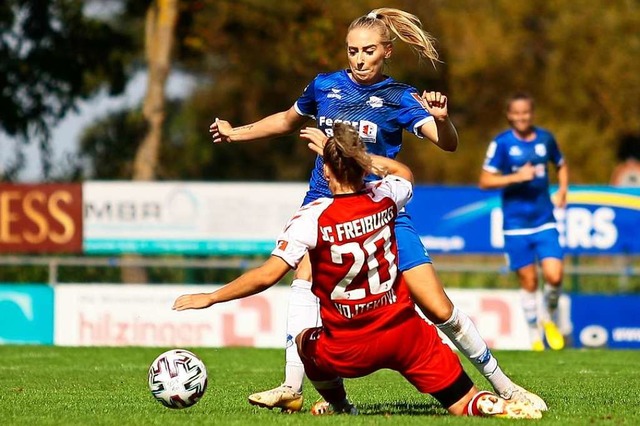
x: 553, y: 277
x: 555, y: 281
x: 437, y: 310
x: 428, y: 293
x: 441, y: 313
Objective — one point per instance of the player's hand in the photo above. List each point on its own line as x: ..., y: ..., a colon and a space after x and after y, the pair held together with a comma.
x: 559, y: 199
x: 192, y: 301
x: 220, y: 131
x: 436, y: 104
x: 316, y: 137
x: 526, y: 173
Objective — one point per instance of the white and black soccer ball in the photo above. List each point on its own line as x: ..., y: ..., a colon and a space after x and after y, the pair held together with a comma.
x: 177, y: 378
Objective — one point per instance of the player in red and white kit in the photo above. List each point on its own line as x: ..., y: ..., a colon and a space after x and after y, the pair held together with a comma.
x: 369, y: 320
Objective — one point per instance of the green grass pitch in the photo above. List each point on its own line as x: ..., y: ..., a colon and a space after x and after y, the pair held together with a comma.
x: 42, y: 385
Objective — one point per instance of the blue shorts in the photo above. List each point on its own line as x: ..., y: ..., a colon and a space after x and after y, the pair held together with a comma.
x: 411, y: 252
x: 524, y: 250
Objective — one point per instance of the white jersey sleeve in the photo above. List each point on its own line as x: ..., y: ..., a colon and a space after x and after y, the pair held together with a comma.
x: 398, y: 189
x: 301, y: 233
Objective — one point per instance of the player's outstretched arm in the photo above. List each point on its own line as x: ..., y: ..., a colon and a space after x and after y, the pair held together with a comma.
x: 278, y: 124
x: 441, y: 130
x: 251, y: 282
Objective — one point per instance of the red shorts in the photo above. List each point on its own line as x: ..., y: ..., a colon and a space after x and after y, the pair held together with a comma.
x: 413, y: 348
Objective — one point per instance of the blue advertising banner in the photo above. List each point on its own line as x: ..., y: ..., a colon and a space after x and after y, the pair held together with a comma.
x: 601, y: 321
x: 26, y: 314
x: 597, y: 220
x: 200, y: 218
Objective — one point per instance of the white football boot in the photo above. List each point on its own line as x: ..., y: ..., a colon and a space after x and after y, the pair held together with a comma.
x: 518, y: 393
x: 283, y: 397
x: 492, y: 405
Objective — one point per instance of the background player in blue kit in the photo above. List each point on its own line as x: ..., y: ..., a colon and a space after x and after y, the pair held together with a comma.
x: 516, y: 161
x: 380, y: 108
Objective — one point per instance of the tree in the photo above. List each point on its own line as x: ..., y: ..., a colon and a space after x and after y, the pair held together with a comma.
x: 253, y: 57
x: 107, y: 148
x: 578, y: 59
x: 160, y: 24
x: 51, y: 56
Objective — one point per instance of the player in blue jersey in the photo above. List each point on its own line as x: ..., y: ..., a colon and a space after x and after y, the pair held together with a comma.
x: 380, y: 108
x: 516, y: 161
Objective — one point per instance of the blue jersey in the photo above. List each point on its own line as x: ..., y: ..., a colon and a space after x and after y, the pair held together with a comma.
x: 380, y: 112
x: 526, y: 207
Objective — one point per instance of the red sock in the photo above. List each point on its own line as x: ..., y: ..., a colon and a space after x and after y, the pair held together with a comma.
x: 472, y: 407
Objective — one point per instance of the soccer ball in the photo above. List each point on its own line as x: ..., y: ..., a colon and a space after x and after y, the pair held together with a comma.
x: 177, y: 378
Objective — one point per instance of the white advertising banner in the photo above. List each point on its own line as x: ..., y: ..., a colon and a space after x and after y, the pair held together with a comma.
x: 141, y: 315
x: 187, y: 218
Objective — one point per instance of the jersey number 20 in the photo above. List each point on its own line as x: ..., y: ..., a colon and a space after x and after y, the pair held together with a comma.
x: 366, y: 256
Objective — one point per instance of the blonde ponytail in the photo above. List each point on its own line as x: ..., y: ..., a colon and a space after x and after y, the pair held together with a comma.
x: 404, y: 25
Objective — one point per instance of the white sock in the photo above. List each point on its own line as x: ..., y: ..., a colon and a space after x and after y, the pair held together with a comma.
x: 465, y: 336
x: 529, y: 302
x: 551, y: 295
x: 303, y: 312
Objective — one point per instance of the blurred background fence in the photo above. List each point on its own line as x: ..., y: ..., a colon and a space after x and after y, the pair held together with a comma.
x: 619, y: 274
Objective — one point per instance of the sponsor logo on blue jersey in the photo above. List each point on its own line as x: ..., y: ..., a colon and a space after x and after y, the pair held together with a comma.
x: 515, y: 151
x: 335, y: 93
x: 325, y: 122
x: 375, y: 102
x: 540, y: 149
x: 368, y: 131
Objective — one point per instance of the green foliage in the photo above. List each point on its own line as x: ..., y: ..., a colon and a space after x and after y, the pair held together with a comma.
x: 579, y: 66
x: 109, y: 146
x: 108, y: 386
x: 51, y: 56
x: 577, y: 59
x: 253, y: 58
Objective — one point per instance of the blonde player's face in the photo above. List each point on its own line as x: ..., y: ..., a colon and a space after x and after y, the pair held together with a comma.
x: 366, y: 55
x: 520, y: 115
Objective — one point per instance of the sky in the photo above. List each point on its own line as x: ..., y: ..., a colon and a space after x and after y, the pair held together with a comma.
x: 66, y: 135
